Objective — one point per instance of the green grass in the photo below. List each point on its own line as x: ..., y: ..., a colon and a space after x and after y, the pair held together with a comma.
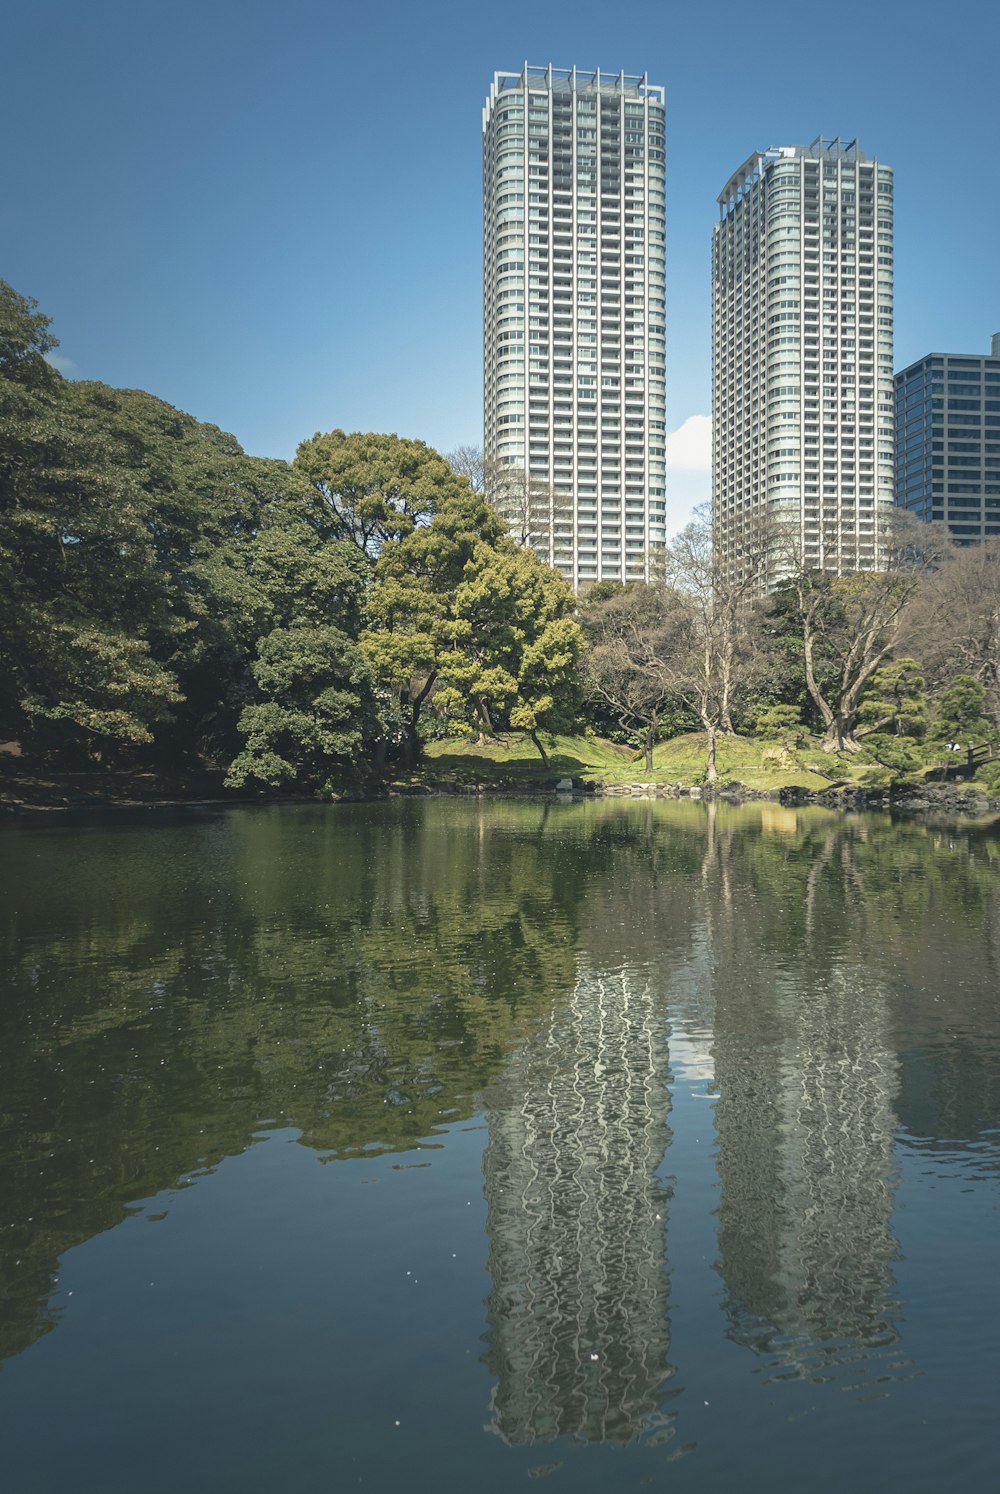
x: 738, y: 759
x: 511, y: 760
x: 515, y: 759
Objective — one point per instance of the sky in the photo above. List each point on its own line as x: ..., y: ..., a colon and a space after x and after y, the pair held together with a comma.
x: 270, y: 214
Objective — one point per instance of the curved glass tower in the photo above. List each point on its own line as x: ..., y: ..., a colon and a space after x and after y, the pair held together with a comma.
x: 802, y: 380
x: 573, y: 289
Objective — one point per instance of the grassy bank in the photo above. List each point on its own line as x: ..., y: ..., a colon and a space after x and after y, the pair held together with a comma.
x: 757, y: 764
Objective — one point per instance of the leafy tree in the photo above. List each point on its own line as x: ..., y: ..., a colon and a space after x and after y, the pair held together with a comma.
x: 514, y: 647
x: 80, y: 603
x: 315, y: 723
x: 779, y: 722
x: 960, y: 715
x: 459, y: 609
x: 376, y: 488
x: 892, y: 720
x: 894, y: 701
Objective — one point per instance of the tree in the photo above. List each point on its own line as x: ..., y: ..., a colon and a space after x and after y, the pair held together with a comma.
x: 632, y: 635
x: 314, y: 723
x: 457, y: 608
x: 961, y: 715
x: 514, y: 654
x: 82, y: 610
x: 952, y: 622
x: 721, y: 596
x: 851, y: 625
x: 892, y: 719
x: 533, y: 509
x: 720, y: 660
x: 783, y: 723
x: 376, y: 488
x: 894, y: 701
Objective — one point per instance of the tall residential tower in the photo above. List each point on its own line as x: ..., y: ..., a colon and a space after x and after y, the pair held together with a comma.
x: 802, y: 354
x: 573, y: 287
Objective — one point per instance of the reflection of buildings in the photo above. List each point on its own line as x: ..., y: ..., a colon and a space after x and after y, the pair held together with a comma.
x: 578, y: 1329
x: 806, y: 1123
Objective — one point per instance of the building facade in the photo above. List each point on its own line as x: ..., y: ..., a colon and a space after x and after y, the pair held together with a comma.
x: 573, y: 289
x: 802, y: 377
x: 948, y: 441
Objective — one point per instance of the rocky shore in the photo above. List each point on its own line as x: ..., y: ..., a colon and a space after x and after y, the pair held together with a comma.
x: 31, y: 795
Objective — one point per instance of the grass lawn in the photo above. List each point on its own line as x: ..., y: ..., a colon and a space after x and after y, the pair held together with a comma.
x: 514, y: 759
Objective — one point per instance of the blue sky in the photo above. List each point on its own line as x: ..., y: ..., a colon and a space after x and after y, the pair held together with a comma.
x: 270, y: 214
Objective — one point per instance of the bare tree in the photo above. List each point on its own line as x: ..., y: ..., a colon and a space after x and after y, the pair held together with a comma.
x: 952, y: 622
x: 851, y: 625
x: 634, y: 640
x: 721, y: 595
x: 467, y: 461
x: 533, y: 510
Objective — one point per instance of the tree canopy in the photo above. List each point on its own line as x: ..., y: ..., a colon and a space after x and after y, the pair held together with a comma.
x: 166, y: 598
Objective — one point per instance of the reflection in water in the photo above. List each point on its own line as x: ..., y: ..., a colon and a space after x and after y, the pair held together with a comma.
x: 576, y: 1218
x: 807, y: 1080
x: 805, y: 1159
x: 367, y: 974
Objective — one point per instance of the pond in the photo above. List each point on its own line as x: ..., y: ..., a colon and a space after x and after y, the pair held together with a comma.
x: 450, y: 1144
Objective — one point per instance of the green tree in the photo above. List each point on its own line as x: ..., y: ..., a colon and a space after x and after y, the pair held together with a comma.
x: 80, y: 602
x: 894, y: 701
x: 314, y: 724
x: 459, y: 609
x: 782, y: 723
x: 376, y: 488
x: 960, y: 715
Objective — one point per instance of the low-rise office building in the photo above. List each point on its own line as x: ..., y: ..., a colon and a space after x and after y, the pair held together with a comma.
x: 948, y: 441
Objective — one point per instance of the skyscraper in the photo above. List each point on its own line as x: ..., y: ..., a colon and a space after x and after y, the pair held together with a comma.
x: 802, y: 268
x: 948, y: 441
x: 573, y: 288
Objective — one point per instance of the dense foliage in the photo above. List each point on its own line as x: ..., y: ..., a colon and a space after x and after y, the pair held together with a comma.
x: 164, y: 598
x: 167, y: 600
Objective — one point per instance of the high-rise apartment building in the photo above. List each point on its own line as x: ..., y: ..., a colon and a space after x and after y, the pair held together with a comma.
x: 573, y: 286
x: 948, y: 441
x: 802, y: 374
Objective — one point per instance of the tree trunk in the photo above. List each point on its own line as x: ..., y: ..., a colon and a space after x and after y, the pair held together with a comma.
x: 711, y: 772
x: 726, y: 690
x: 650, y: 734
x: 411, y: 747
x: 535, y: 738
x: 839, y: 737
x: 816, y: 695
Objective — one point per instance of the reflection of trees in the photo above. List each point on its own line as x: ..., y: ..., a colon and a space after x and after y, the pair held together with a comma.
x: 357, y: 974
x: 578, y: 1326
x: 363, y: 973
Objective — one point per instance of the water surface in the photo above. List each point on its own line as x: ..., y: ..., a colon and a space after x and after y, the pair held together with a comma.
x: 446, y: 1144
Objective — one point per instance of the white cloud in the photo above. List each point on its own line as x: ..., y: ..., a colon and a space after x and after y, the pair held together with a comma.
x: 689, y: 469
x: 64, y: 365
x: 689, y: 448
